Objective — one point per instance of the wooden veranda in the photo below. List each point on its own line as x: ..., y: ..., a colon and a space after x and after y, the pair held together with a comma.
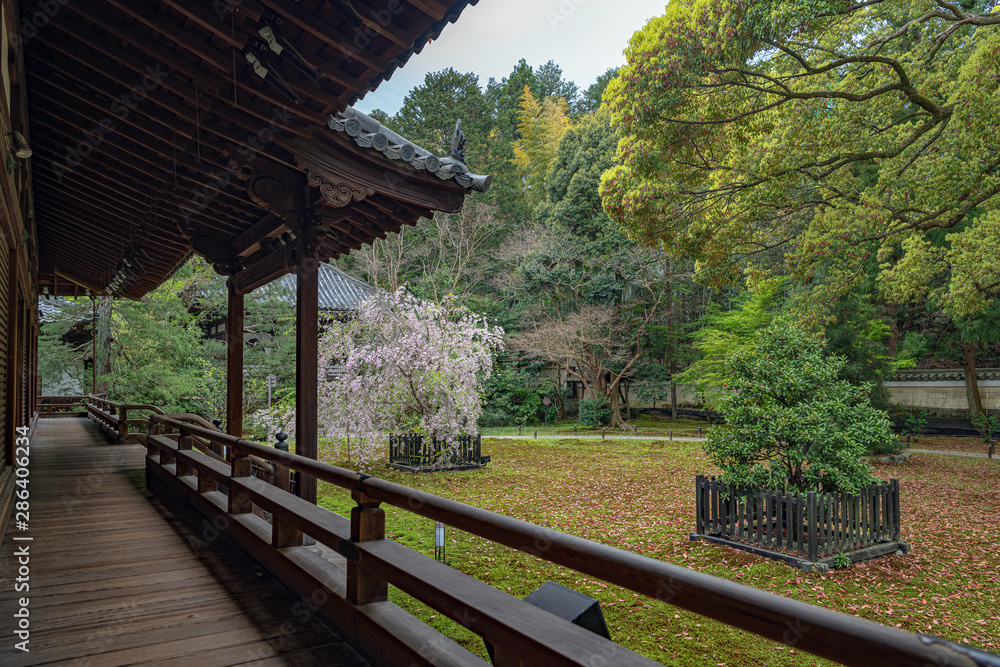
x: 140, y: 133
x: 189, y: 574
x: 118, y: 578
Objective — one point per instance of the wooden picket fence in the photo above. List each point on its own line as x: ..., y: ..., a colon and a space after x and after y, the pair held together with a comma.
x: 412, y: 452
x: 810, y: 526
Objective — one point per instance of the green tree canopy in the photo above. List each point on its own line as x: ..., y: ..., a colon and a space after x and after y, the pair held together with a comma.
x: 428, y: 114
x: 551, y: 83
x: 816, y: 133
x: 541, y: 125
x: 589, y: 100
x: 725, y: 332
x: 791, y: 424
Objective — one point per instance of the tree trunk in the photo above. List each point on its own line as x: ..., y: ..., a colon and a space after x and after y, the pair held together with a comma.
x: 971, y: 381
x: 671, y: 350
x: 673, y: 389
x: 104, y: 344
x: 616, y: 413
x: 625, y: 398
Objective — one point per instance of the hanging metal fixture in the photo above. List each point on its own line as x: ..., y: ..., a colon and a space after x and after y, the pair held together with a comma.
x: 20, y: 145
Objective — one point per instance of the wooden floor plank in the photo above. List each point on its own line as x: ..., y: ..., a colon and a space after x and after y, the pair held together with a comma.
x: 116, y: 579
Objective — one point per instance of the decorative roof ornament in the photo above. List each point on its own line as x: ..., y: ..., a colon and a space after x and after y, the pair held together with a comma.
x: 458, y: 142
x: 369, y: 133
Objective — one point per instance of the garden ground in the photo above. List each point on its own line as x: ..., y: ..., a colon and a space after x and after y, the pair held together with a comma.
x: 639, y: 496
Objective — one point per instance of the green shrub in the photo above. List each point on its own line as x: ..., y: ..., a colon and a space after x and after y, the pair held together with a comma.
x: 791, y: 424
x: 594, y: 412
x: 511, y: 397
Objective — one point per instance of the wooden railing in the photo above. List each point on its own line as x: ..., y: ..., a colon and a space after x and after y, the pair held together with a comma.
x: 116, y: 418
x: 412, y: 451
x: 356, y: 600
x: 813, y: 526
x: 57, y: 406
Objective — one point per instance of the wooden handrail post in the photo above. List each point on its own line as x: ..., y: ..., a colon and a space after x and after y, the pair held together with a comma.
x: 185, y: 442
x: 284, y: 534
x: 367, y: 524
x: 166, y: 458
x: 240, y: 503
x: 154, y: 429
x: 122, y: 422
x: 206, y: 483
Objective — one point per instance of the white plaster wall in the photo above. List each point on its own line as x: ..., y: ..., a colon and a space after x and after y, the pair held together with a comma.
x: 945, y: 395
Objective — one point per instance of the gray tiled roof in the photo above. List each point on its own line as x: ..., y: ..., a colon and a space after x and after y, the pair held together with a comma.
x: 338, y: 291
x: 50, y: 308
x: 941, y: 375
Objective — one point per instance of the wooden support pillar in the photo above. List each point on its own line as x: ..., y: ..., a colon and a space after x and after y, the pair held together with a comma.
x: 306, y: 356
x: 234, y: 365
x: 93, y: 354
x: 13, y: 333
x: 367, y: 524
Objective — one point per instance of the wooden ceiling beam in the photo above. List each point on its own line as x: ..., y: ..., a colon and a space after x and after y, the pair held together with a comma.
x: 76, y: 280
x: 143, y: 163
x: 347, y: 230
x: 47, y: 86
x: 171, y: 102
x: 254, y: 85
x: 377, y: 220
x: 268, y: 227
x: 431, y: 7
x: 131, y: 196
x: 237, y: 36
x: 101, y: 18
x: 233, y: 33
x: 95, y: 211
x: 86, y: 192
x: 163, y: 25
x: 103, y: 81
x: 334, y: 248
x: 70, y: 261
x: 212, y: 156
x: 250, y: 117
x: 228, y: 204
x: 326, y: 33
x: 251, y: 8
x: 83, y: 212
x: 372, y: 15
x: 86, y: 254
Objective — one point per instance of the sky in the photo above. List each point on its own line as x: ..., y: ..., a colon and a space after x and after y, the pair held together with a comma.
x: 584, y: 37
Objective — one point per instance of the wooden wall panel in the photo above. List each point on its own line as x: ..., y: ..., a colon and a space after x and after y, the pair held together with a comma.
x: 10, y: 296
x: 23, y: 343
x: 4, y: 281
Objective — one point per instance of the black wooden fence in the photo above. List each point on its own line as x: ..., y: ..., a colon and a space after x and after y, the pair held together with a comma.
x: 412, y: 451
x: 811, y: 526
